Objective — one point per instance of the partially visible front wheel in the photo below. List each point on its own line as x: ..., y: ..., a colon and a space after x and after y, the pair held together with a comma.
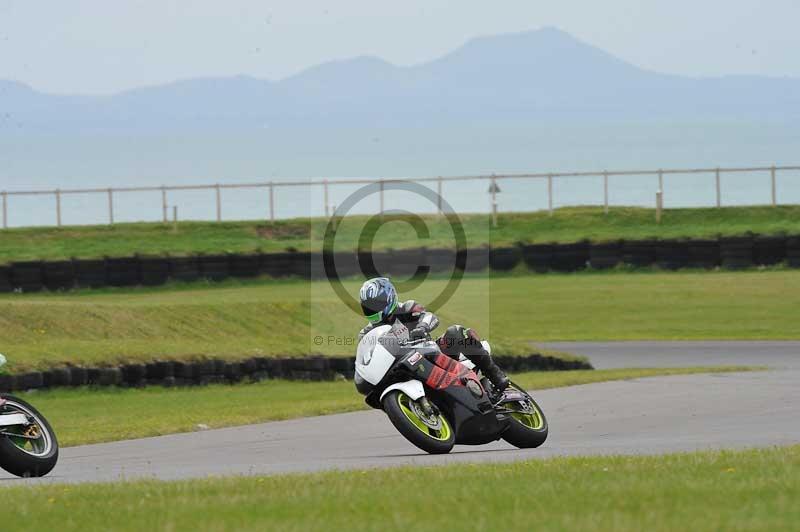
x: 528, y: 426
x: 30, y: 449
x: 431, y: 432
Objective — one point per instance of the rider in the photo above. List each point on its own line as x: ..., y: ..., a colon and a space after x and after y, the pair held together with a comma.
x: 379, y: 303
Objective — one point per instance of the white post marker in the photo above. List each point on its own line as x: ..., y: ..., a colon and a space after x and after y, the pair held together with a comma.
x: 110, y: 206
x: 774, y: 191
x: 493, y: 190
x: 659, y: 205
x: 325, y: 200
x: 58, y: 207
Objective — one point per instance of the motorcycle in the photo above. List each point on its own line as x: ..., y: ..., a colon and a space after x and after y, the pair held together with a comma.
x: 28, y: 445
x: 435, y: 401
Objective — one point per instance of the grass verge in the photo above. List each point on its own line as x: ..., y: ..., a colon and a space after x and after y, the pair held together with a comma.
x: 82, y: 416
x: 263, y: 318
x: 568, y: 224
x: 723, y: 490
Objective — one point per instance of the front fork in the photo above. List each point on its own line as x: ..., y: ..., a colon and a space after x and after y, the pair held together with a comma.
x: 427, y: 407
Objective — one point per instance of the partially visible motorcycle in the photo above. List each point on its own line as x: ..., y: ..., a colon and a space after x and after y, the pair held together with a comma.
x: 28, y: 445
x: 436, y: 401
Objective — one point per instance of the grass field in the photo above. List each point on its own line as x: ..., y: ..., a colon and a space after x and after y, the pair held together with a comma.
x: 567, y: 225
x: 90, y: 416
x: 744, y: 490
x: 236, y: 320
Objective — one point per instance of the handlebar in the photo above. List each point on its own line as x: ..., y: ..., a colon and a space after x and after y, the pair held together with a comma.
x: 417, y: 341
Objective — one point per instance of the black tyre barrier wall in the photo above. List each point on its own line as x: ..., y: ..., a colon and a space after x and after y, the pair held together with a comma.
x: 27, y: 276
x: 90, y: 273
x: 154, y: 270
x: 605, y: 255
x: 214, y: 267
x: 504, y: 259
x: 736, y: 252
x: 570, y: 257
x: 59, y: 275
x: 792, y: 252
x: 5, y: 279
x: 477, y: 259
x: 727, y: 252
x: 184, y: 269
x: 769, y: 250
x: 170, y: 373
x: 538, y: 257
x: 639, y: 253
x: 672, y: 254
x: 123, y: 271
x: 703, y: 254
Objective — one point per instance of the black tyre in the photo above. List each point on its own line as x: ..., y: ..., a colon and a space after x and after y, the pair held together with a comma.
x: 34, y: 452
x: 528, y: 428
x: 433, y: 434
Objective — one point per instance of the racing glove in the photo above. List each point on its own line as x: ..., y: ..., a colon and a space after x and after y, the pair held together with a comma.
x: 418, y: 333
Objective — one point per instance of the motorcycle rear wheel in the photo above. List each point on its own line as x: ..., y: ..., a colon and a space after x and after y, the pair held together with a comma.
x: 434, y: 436
x: 26, y: 455
x: 528, y: 426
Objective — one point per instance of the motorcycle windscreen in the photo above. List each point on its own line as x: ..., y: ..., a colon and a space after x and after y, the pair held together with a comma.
x: 373, y: 360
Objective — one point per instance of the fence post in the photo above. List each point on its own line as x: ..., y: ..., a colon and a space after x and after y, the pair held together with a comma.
x: 659, y: 205
x: 271, y: 202
x: 164, y: 203
x: 219, y: 203
x: 661, y: 182
x: 5, y: 210
x: 550, y: 194
x: 58, y: 207
x: 493, y: 188
x: 605, y: 191
x: 111, y: 206
x: 325, y: 186
x: 772, y: 175
x: 719, y: 193
x: 381, y: 197
x: 439, y: 195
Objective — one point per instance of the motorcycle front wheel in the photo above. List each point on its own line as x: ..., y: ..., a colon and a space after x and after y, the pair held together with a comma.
x: 29, y: 450
x: 528, y: 426
x: 431, y: 433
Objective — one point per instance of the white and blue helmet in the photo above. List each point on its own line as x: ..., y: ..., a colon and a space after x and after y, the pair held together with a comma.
x: 378, y: 299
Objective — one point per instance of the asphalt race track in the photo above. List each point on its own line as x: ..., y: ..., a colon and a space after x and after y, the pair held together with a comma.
x: 640, y: 416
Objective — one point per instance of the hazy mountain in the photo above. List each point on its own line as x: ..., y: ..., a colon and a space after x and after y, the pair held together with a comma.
x: 518, y: 77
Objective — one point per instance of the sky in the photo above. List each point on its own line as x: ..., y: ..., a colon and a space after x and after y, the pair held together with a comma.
x: 100, y: 47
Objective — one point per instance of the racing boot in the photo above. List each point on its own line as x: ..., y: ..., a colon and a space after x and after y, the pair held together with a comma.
x: 483, y: 360
x: 492, y: 371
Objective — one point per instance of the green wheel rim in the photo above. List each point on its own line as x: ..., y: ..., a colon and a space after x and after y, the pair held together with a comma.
x: 532, y: 420
x: 404, y: 402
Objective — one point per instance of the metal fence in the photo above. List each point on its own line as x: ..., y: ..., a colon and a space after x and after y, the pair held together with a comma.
x: 272, y: 187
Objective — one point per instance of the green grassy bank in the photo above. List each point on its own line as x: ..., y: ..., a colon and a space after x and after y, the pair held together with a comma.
x: 744, y: 490
x: 262, y: 318
x: 566, y: 225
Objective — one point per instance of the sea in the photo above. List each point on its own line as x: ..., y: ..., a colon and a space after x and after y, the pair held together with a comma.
x: 39, y: 162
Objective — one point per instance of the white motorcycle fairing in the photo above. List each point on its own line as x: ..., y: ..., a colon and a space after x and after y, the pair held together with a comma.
x: 372, y: 359
x: 412, y: 388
